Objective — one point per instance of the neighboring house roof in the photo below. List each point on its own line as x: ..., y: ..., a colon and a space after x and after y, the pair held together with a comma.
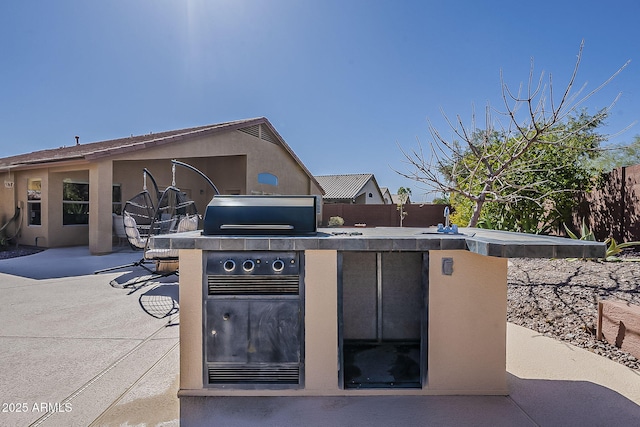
x: 396, y: 199
x: 386, y: 194
x: 344, y: 186
x: 96, y: 150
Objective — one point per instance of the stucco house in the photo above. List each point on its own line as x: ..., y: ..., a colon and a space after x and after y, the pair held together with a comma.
x: 395, y: 199
x: 386, y: 195
x: 351, y: 189
x: 68, y: 195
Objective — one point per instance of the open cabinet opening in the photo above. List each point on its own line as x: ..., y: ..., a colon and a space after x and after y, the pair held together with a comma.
x: 383, y: 319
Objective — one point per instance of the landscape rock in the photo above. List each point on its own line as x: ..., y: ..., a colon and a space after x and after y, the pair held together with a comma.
x: 559, y: 298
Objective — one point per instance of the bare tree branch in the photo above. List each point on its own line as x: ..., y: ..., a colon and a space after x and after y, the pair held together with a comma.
x: 480, y: 165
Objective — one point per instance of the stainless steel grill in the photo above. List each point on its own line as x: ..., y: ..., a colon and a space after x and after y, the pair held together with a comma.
x: 260, y: 215
x: 253, y: 311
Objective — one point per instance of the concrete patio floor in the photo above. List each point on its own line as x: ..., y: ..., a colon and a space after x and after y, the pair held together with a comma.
x: 75, y: 351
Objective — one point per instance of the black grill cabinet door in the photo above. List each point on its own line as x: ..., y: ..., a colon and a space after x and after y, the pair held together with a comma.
x: 253, y: 331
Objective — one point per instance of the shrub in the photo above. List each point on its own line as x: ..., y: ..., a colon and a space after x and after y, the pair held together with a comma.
x: 336, y: 221
x: 613, y: 248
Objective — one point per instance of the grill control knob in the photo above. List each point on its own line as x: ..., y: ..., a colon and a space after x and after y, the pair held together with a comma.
x: 248, y: 265
x: 278, y: 265
x: 229, y: 265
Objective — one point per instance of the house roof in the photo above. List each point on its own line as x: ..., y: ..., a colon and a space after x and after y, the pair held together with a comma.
x: 97, y: 150
x: 344, y: 186
x: 110, y: 147
x: 395, y: 198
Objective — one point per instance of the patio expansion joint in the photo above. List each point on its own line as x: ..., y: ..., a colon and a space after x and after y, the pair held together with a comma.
x: 97, y: 421
x: 521, y: 409
x: 102, y: 373
x: 102, y: 339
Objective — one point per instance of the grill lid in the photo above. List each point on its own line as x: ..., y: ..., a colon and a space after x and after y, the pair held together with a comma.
x: 260, y: 215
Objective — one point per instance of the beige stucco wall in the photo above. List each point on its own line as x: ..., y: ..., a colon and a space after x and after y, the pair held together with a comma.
x: 100, y: 207
x: 8, y: 200
x: 52, y: 232
x: 30, y: 233
x: 261, y: 156
x: 190, y: 294
x: 467, y: 324
x: 466, y: 321
x: 321, y: 321
x: 231, y: 159
x: 227, y: 173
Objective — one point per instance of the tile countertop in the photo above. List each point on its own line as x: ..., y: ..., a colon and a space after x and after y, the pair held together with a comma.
x: 384, y: 239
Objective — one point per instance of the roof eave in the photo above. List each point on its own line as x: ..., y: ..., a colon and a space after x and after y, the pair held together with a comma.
x: 157, y: 142
x: 39, y: 163
x: 142, y: 145
x: 265, y: 121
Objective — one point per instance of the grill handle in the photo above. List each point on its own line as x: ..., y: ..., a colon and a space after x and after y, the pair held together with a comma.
x: 256, y: 227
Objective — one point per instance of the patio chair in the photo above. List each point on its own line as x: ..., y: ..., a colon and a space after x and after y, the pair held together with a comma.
x: 142, y: 219
x: 118, y: 228
x: 158, y: 256
x: 141, y: 208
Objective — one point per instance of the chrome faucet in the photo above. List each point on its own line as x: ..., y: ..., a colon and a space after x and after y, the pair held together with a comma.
x: 446, y: 217
x: 447, y: 228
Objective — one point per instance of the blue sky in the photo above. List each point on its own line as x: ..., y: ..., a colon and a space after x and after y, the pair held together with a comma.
x: 344, y: 82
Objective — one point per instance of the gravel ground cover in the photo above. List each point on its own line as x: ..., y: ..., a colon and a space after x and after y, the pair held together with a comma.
x: 559, y: 298
x: 13, y: 252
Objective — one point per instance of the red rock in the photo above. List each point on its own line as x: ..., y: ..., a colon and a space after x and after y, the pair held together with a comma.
x: 619, y: 325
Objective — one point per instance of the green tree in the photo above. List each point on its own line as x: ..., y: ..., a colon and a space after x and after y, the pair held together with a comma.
x: 444, y: 199
x: 617, y: 155
x: 560, y: 171
x: 508, y: 162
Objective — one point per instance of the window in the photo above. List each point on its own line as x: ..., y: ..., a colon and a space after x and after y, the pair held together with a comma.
x: 75, y: 203
x: 116, y: 199
x: 268, y: 178
x: 34, y: 204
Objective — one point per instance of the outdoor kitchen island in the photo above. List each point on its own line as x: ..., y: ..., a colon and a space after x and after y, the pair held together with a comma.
x: 351, y: 311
